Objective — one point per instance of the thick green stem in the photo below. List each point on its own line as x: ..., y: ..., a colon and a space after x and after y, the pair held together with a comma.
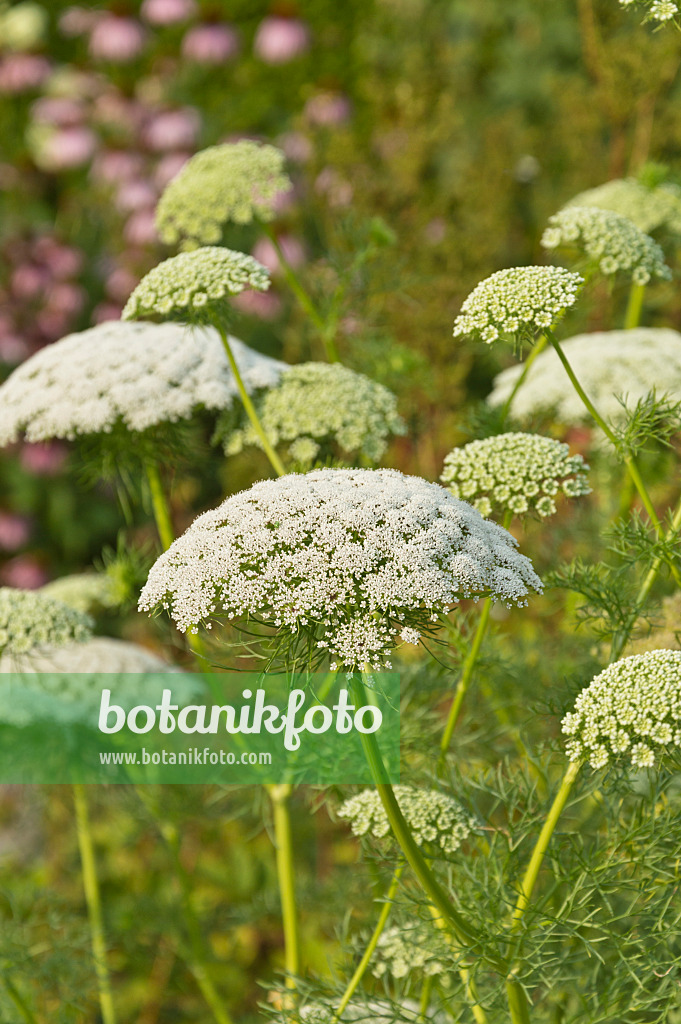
x: 298, y: 289
x: 632, y: 317
x: 468, y: 981
x: 275, y: 461
x: 466, y: 675
x: 280, y: 796
x: 466, y: 935
x: 198, y: 963
x: 94, y: 905
x: 373, y: 941
x: 159, y: 504
x: 19, y: 1001
x: 537, y: 349
x: 629, y: 460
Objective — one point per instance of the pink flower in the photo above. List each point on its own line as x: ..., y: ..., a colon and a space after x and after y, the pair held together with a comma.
x: 173, y: 129
x: 63, y: 261
x: 167, y: 12
x: 24, y: 572
x: 115, y: 165
x: 327, y: 108
x: 14, y: 531
x: 20, y: 72
x: 58, y: 110
x: 293, y: 250
x: 13, y: 349
x: 140, y: 229
x: 66, y: 149
x: 168, y: 166
x: 337, y: 190
x: 52, y: 324
x: 210, y: 44
x: 28, y: 281
x: 45, y: 458
x: 117, y: 39
x: 66, y: 298
x: 135, y: 195
x: 107, y: 311
x: 120, y: 283
x: 296, y: 146
x: 279, y: 40
x: 76, y: 21
x: 265, y: 305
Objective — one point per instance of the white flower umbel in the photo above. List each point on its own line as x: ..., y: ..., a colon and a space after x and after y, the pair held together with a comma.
x: 64, y: 684
x: 237, y: 182
x: 436, y: 821
x: 138, y: 374
x: 515, y: 473
x: 608, y: 364
x: 649, y: 208
x: 194, y: 287
x: 608, y: 242
x: 517, y: 304
x: 374, y: 1011
x: 317, y: 406
x: 30, y: 620
x: 402, y: 950
x: 631, y: 710
x: 346, y: 557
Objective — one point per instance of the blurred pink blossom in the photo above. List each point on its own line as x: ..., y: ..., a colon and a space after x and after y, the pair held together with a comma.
x: 327, y: 108
x: 28, y: 281
x: 44, y: 458
x: 337, y: 190
x: 167, y: 12
x: 140, y: 228
x: 296, y: 146
x: 24, y: 572
x: 293, y: 250
x: 120, y: 283
x: 67, y: 148
x: 63, y: 261
x: 20, y: 72
x: 210, y: 44
x: 435, y: 230
x: 168, y: 166
x: 113, y: 165
x: 135, y: 195
x: 115, y: 110
x: 13, y: 349
x: 66, y: 298
x: 266, y: 305
x: 279, y: 40
x: 173, y: 129
x: 107, y: 311
x: 117, y: 39
x: 14, y: 531
x: 76, y: 21
x: 58, y: 110
x: 52, y: 324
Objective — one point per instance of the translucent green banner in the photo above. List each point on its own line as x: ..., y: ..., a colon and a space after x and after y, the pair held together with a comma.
x: 175, y: 727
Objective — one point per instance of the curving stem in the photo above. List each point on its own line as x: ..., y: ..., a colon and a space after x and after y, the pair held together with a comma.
x: 280, y: 796
x: 632, y: 317
x: 537, y: 349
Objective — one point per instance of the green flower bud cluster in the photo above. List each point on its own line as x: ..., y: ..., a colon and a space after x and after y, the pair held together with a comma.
x: 83, y: 591
x: 236, y: 182
x: 518, y: 473
x: 608, y: 241
x: 648, y: 208
x: 317, y: 405
x: 633, y: 707
x: 29, y: 619
x: 436, y: 820
x: 517, y: 304
x: 194, y: 286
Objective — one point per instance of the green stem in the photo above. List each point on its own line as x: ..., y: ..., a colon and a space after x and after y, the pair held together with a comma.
x: 632, y: 317
x: 467, y: 979
x: 159, y: 504
x: 280, y: 796
x: 463, y: 931
x: 276, y: 462
x: 373, y: 941
x: 94, y: 905
x: 198, y: 963
x: 466, y: 675
x: 304, y: 299
x: 537, y: 348
x: 619, y: 641
x: 629, y: 460
x: 19, y: 1001
x: 424, y: 1002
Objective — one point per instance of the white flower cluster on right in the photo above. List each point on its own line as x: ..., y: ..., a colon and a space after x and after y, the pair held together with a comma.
x: 237, y: 182
x: 517, y: 304
x: 648, y: 208
x: 29, y: 619
x: 609, y: 241
x: 346, y: 557
x: 194, y: 286
x: 436, y: 821
x: 608, y: 364
x: 658, y: 10
x: 633, y: 707
x: 515, y: 472
x: 139, y: 374
x: 317, y: 405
